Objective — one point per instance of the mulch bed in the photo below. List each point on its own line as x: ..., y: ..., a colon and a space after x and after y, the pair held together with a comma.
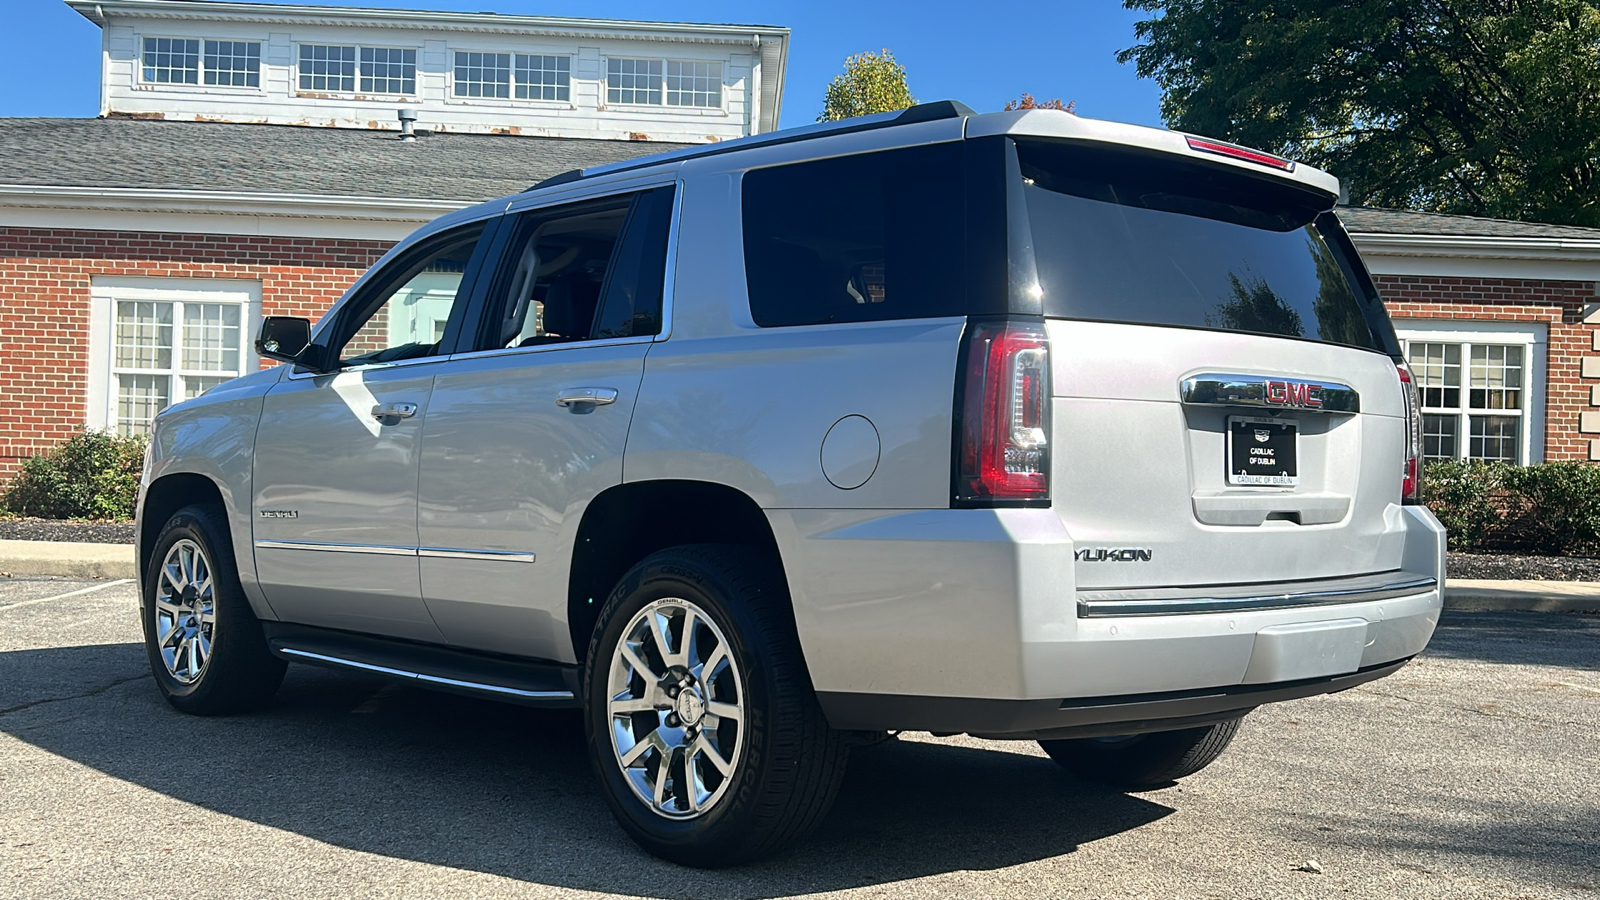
x: 1459, y: 565
x: 1534, y: 568
x: 66, y: 530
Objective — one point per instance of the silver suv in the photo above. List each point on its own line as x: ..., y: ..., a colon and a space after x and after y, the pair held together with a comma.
x: 1021, y: 425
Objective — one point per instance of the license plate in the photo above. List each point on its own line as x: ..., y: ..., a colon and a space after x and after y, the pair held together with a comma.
x: 1263, y: 452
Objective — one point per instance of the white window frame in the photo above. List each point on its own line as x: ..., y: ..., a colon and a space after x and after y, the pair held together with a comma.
x: 104, y: 294
x: 511, y: 99
x: 1533, y: 337
x: 356, y: 91
x: 200, y: 66
x: 665, y: 61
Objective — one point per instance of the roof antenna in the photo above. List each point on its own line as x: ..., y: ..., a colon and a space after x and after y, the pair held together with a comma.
x: 408, y: 121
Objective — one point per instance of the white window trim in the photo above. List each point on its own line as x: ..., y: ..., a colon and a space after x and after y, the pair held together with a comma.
x: 294, y: 77
x: 571, y: 102
x: 104, y: 292
x: 201, y: 88
x: 1532, y: 336
x: 720, y: 109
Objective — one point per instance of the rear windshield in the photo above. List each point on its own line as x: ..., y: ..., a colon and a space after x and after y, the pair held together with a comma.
x: 1120, y: 237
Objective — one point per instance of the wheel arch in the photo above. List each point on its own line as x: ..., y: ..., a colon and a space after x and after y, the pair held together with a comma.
x: 165, y: 496
x: 628, y: 522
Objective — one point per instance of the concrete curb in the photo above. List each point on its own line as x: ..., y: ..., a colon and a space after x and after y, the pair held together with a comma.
x: 67, y: 559
x: 1475, y: 595
x: 74, y: 560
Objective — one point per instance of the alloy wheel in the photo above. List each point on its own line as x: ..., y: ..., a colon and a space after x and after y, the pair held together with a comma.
x: 676, y: 708
x: 186, y: 611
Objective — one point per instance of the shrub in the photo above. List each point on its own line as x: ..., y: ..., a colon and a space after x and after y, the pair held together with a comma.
x: 1549, y: 509
x: 92, y: 475
x: 1460, y: 494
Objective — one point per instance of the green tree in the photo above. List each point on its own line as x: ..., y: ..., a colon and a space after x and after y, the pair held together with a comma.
x: 871, y: 83
x: 1483, y: 107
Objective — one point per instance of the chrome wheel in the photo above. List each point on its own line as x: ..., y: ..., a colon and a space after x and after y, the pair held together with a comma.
x: 186, y: 611
x: 675, y: 703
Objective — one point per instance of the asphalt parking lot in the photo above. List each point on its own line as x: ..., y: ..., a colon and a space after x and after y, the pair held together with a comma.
x: 1474, y: 772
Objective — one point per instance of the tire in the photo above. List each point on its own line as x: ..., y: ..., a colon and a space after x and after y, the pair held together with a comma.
x: 753, y: 716
x: 209, y: 659
x: 1143, y: 760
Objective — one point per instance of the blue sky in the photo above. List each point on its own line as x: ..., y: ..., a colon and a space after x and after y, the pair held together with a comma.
x: 979, y: 53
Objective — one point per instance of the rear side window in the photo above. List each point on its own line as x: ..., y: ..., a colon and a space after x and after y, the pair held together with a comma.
x: 1122, y: 237
x: 857, y: 238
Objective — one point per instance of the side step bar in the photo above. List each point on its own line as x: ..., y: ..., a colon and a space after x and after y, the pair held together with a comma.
x: 520, y: 681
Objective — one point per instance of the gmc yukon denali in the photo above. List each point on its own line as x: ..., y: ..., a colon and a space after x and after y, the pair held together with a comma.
x: 1023, y: 425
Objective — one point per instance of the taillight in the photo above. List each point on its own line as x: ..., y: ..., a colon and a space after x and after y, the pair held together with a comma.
x: 1411, y: 486
x: 1003, y: 434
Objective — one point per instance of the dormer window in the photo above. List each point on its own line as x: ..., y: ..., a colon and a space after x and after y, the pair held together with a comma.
x: 503, y: 76
x: 196, y: 61
x: 647, y: 82
x: 343, y: 68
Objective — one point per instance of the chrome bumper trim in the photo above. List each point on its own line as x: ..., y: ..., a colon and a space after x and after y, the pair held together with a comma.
x: 1169, y: 601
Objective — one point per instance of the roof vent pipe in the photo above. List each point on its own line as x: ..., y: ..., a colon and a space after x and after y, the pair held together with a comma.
x: 408, y: 121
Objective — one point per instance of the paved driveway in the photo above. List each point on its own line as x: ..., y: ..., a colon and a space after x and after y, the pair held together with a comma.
x: 1474, y: 772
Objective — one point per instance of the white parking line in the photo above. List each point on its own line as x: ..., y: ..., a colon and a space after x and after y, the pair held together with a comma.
x: 87, y: 590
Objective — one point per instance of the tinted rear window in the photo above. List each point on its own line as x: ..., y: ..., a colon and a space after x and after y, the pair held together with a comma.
x: 856, y: 238
x: 1123, y: 237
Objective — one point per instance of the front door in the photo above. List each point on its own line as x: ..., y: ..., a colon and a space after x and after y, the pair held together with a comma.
x: 335, y: 505
x: 524, y: 431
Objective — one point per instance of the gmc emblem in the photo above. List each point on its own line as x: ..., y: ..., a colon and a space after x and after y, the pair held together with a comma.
x: 1294, y: 393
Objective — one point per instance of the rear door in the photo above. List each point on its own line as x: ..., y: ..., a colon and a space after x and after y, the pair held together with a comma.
x: 1227, y: 407
x: 526, y: 429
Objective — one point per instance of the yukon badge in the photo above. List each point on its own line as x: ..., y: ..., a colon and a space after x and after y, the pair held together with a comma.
x: 1109, y: 554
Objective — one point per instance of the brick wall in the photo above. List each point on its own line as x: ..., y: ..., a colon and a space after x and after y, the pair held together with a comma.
x: 44, y: 306
x: 1560, y: 304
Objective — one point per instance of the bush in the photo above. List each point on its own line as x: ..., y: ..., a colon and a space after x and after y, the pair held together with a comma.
x: 93, y: 475
x: 1547, y: 509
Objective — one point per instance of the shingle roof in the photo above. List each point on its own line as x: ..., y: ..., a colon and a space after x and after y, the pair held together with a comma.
x: 281, y: 159
x: 1358, y: 219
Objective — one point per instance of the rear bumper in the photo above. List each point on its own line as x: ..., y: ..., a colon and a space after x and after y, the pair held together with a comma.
x: 1084, y: 717
x: 970, y: 621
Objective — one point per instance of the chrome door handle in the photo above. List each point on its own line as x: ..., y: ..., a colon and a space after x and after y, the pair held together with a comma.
x: 586, y: 396
x: 394, y: 411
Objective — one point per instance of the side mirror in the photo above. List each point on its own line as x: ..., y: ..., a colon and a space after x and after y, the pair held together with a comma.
x: 283, y: 338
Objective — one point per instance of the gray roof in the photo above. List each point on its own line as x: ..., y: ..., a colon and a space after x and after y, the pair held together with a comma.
x: 1360, y: 219
x: 283, y: 159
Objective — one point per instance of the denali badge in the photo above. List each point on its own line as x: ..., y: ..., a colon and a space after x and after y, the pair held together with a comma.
x: 280, y: 514
x: 1107, y: 554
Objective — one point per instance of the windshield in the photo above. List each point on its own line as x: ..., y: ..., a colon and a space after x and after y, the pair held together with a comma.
x: 1129, y: 237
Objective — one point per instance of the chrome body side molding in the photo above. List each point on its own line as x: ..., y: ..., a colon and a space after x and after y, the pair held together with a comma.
x: 1269, y: 392
x: 384, y: 550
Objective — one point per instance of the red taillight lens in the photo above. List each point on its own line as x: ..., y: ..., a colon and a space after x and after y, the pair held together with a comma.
x: 1411, y: 486
x: 1003, y: 436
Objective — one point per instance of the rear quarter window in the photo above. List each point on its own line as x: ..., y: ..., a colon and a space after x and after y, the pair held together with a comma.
x: 856, y: 238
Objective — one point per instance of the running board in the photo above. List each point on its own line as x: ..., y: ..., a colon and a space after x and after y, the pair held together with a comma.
x: 522, y: 681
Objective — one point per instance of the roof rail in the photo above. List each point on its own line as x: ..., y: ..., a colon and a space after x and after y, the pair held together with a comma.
x: 922, y: 112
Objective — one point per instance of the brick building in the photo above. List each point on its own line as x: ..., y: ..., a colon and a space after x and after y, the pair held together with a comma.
x: 248, y: 160
x: 1501, y: 324
x: 138, y: 250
